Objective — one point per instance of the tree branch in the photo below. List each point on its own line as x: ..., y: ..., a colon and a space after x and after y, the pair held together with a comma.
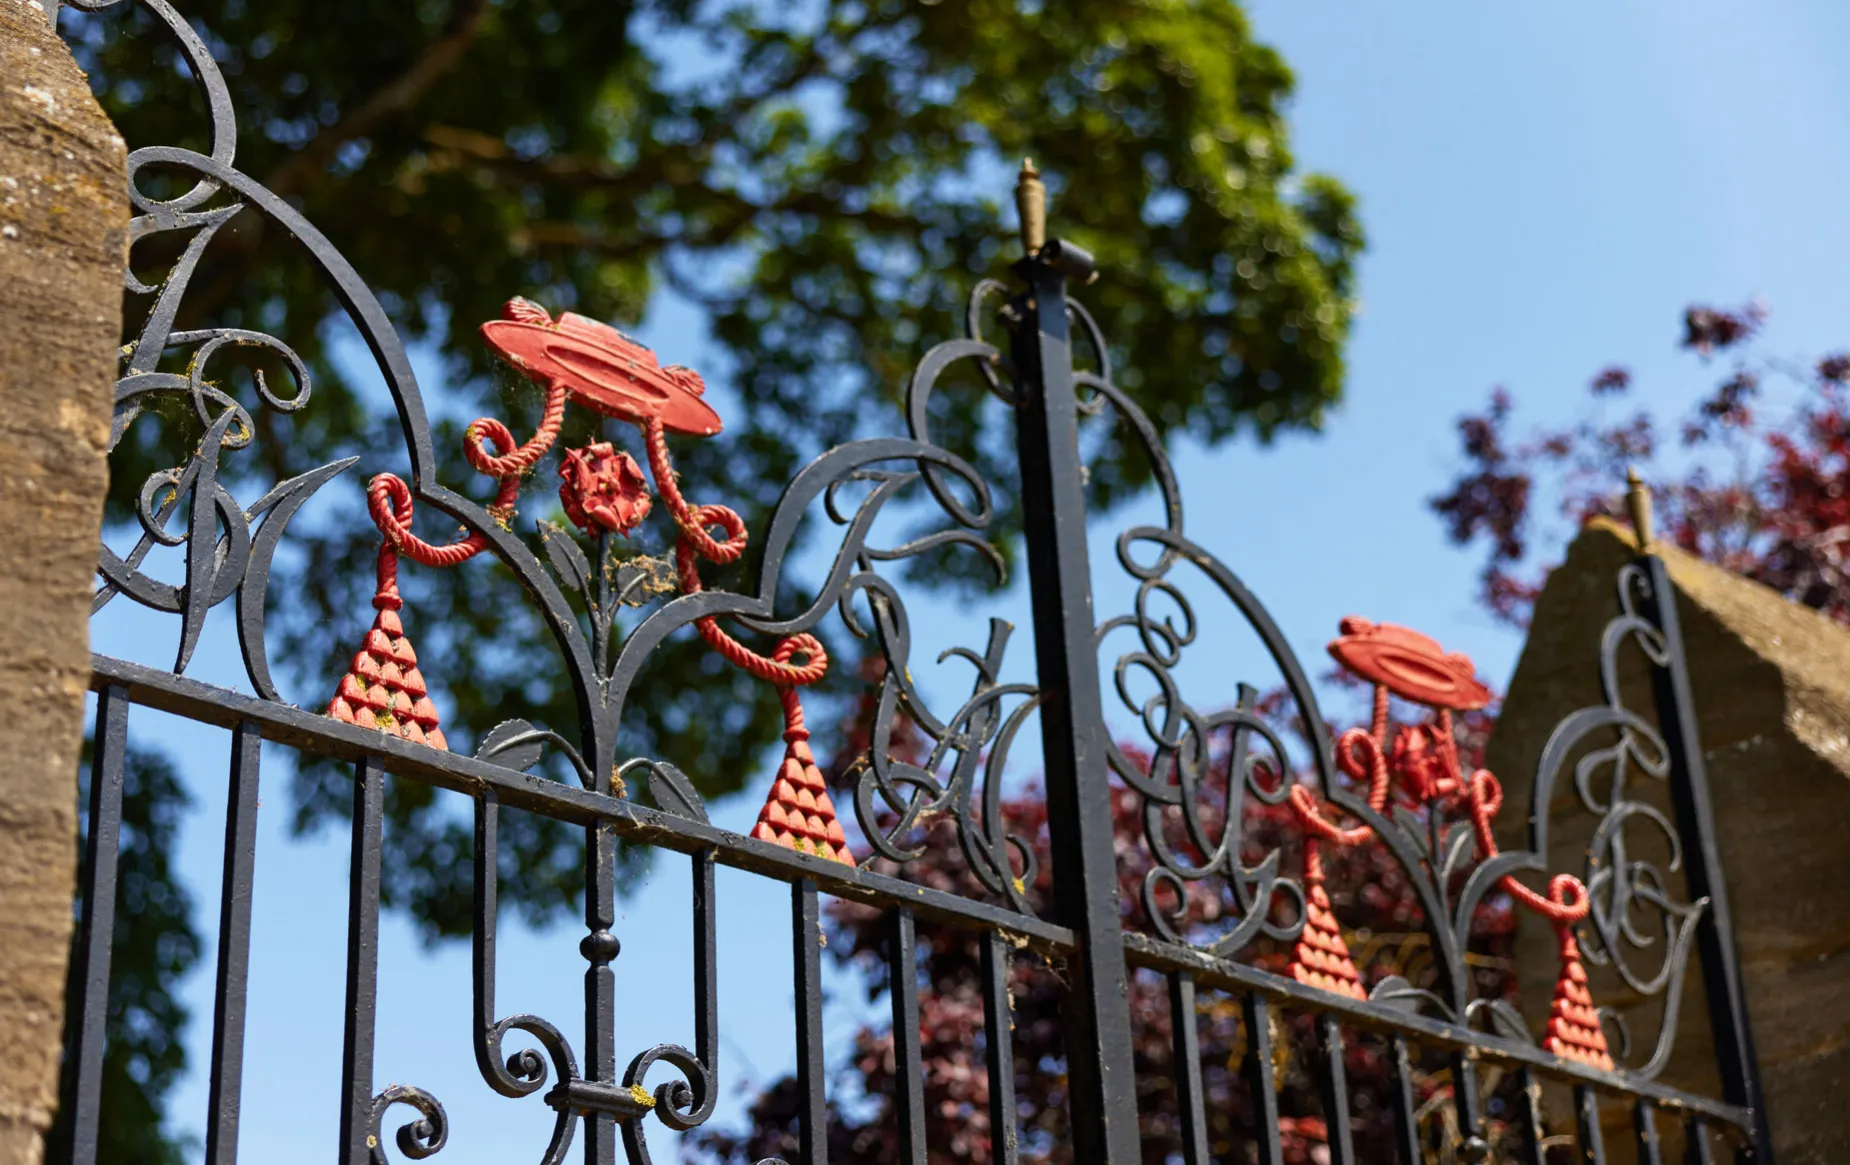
x: 401, y: 93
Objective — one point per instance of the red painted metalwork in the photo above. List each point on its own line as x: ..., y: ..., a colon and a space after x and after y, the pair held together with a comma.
x: 1423, y: 765
x: 1321, y: 957
x: 1410, y: 665
x: 602, y: 490
x: 1573, y: 1022
x: 383, y: 687
x: 798, y: 813
x: 601, y: 367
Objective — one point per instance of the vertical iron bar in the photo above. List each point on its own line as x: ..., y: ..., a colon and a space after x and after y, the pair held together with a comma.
x: 999, y: 1055
x: 1529, y: 1117
x: 1644, y: 1124
x: 1191, y: 1099
x: 1406, y: 1109
x: 1333, y: 1085
x: 487, y: 876
x: 1696, y: 1149
x: 706, y: 965
x: 908, y: 1073
x: 1470, y: 1109
x: 1689, y: 792
x: 102, y: 842
x: 1586, y: 1119
x: 600, y: 948
x: 356, y: 1062
x: 813, y: 1114
x: 234, y: 947
x: 1260, y: 1079
x: 1102, y: 1100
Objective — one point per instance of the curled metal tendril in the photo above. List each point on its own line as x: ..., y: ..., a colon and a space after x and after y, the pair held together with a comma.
x: 420, y: 1138
x: 679, y: 1104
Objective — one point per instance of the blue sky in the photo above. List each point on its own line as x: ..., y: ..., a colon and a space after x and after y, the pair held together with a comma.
x: 1545, y: 187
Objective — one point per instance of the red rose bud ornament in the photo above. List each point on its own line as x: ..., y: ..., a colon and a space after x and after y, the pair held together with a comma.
x: 603, y: 490
x: 601, y: 367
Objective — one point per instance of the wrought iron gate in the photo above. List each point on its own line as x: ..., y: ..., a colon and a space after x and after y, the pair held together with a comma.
x: 1434, y: 819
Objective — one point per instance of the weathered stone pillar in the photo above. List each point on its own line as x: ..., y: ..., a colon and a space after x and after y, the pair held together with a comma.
x: 1772, y: 690
x: 63, y: 235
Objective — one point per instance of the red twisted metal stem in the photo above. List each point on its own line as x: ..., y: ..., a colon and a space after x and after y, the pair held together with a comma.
x: 389, y: 498
x: 1321, y: 956
x: 797, y: 813
x: 697, y: 542
x: 383, y: 687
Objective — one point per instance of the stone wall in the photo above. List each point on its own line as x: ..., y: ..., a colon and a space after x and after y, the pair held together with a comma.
x: 1772, y: 689
x: 63, y: 237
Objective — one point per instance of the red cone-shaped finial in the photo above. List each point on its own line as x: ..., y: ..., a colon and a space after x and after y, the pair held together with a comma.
x: 1321, y: 957
x: 1573, y: 1023
x: 383, y: 687
x: 798, y: 813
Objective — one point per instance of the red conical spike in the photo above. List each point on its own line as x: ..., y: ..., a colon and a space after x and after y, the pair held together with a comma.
x: 1321, y: 957
x: 798, y: 810
x: 1573, y: 1023
x: 383, y: 688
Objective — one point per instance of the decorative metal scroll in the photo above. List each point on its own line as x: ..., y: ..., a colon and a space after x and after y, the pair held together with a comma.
x: 1406, y: 792
x: 577, y: 584
x: 1637, y: 924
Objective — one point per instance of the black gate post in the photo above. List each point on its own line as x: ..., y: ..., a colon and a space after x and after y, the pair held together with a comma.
x: 1695, y: 811
x: 1102, y: 1099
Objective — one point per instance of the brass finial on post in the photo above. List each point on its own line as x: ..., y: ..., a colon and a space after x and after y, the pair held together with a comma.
x: 1638, y: 505
x: 1031, y: 201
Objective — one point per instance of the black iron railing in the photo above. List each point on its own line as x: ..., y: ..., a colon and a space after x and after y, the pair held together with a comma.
x: 1054, y: 374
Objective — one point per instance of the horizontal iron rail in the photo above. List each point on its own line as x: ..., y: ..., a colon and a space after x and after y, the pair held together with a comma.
x: 315, y: 733
x: 1166, y: 957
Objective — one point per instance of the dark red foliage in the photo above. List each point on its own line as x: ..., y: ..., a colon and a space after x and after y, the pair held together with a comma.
x: 1610, y: 380
x: 1766, y: 500
x: 1708, y: 329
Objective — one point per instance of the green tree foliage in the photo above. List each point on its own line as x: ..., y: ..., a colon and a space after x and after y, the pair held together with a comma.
x: 823, y: 186
x: 155, y: 948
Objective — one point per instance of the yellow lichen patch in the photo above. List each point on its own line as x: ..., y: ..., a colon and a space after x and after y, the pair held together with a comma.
x: 641, y: 1096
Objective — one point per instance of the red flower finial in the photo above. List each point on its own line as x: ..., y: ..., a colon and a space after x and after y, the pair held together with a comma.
x: 603, y: 490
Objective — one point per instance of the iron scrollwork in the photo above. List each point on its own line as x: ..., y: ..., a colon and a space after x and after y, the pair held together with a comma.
x: 894, y: 797
x: 1409, y: 793
x: 228, y: 549
x: 1633, y: 907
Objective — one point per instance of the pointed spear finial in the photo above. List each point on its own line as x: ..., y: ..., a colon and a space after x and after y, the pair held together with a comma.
x: 1638, y: 505
x: 1031, y: 201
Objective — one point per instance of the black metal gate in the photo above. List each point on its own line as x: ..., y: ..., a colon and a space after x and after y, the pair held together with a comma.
x: 1053, y: 374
